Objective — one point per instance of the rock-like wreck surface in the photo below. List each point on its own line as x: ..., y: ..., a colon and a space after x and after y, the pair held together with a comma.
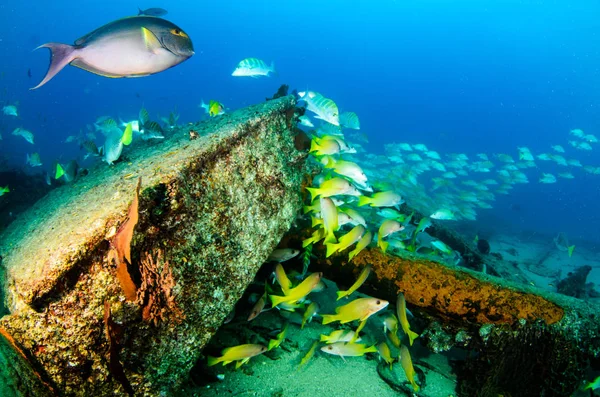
x: 215, y: 207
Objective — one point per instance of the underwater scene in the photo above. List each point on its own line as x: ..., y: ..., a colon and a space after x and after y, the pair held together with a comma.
x: 300, y: 198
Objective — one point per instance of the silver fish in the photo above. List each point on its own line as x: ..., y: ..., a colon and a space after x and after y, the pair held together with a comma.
x: 129, y: 47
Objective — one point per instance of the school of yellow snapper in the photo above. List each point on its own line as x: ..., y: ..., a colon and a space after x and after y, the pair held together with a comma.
x: 337, y: 204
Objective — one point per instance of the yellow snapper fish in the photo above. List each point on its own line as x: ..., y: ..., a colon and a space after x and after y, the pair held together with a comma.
x: 343, y: 219
x: 309, y: 354
x: 401, y: 312
x: 348, y: 349
x: 282, y: 279
x: 387, y: 228
x: 253, y: 67
x: 324, y: 108
x: 242, y: 354
x: 341, y: 335
x: 385, y: 353
x: 309, y: 313
x: 299, y: 292
x: 346, y: 240
x: 359, y: 309
x: 333, y: 187
x: 362, y: 244
x: 355, y: 217
x: 407, y: 365
x: 348, y: 169
x: 330, y: 219
x: 128, y: 47
x: 274, y: 343
x: 317, y: 236
x: 362, y: 277
x: 323, y: 147
x: 381, y: 199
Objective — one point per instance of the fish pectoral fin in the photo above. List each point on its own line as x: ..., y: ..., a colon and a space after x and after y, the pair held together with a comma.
x: 151, y: 41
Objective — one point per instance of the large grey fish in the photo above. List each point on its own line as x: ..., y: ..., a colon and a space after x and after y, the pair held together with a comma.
x: 153, y: 12
x: 129, y: 47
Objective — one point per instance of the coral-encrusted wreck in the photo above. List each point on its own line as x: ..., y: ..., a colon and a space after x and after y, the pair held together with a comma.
x: 88, y: 317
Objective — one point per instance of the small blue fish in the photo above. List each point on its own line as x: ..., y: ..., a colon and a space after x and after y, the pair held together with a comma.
x: 153, y: 12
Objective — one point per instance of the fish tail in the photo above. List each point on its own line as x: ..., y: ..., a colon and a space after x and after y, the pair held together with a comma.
x: 272, y: 68
x: 140, y: 12
x: 341, y: 294
x: 276, y: 299
x: 316, y: 221
x: 412, y: 336
x: 571, y: 249
x: 329, y: 318
x: 212, y: 361
x: 331, y: 249
x: 363, y: 200
x: 352, y: 254
x: 383, y: 245
x: 59, y: 171
x: 330, y: 238
x: 127, y: 135
x: 307, y: 242
x: 371, y: 349
x: 314, y: 146
x: 314, y: 192
x: 61, y: 56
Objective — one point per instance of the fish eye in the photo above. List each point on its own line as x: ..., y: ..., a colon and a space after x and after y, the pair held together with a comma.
x: 378, y: 302
x: 329, y: 348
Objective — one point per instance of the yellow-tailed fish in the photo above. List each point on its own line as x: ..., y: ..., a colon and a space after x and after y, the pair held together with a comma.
x: 348, y: 349
x: 274, y: 343
x: 341, y: 335
x: 401, y: 311
x: 388, y: 227
x: 390, y: 323
x: 385, y: 353
x: 322, y: 147
x: 393, y: 337
x: 282, y: 279
x: 330, y: 219
x: 343, y: 219
x: 258, y: 307
x: 381, y: 199
x: 298, y: 292
x: 292, y: 307
x: 358, y: 309
x: 333, y: 187
x: 362, y: 244
x: 355, y: 216
x: 348, y: 169
x: 309, y: 313
x: 407, y: 365
x: 309, y: 354
x: 346, y: 240
x: 317, y: 236
x: 242, y: 354
x: 362, y: 277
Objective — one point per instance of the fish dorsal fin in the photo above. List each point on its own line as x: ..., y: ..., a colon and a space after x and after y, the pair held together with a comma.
x: 150, y: 39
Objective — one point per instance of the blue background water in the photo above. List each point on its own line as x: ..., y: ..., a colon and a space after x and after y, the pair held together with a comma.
x: 459, y: 76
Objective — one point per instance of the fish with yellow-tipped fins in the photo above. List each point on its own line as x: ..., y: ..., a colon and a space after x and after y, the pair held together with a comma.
x: 309, y: 354
x: 299, y: 292
x: 361, y: 245
x: 274, y: 343
x: 385, y: 353
x: 330, y: 219
x: 333, y: 187
x: 341, y: 335
x: 309, y: 313
x: 387, y: 228
x: 242, y: 354
x: 317, y: 236
x: 282, y: 279
x: 381, y: 199
x: 362, y: 277
x: 346, y: 240
x: 359, y: 309
x: 348, y: 349
x: 323, y: 147
x: 407, y: 365
x: 401, y: 311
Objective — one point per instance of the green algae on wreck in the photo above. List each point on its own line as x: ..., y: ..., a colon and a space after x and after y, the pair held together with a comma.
x: 216, y: 206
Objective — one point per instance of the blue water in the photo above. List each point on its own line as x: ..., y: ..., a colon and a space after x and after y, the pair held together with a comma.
x: 458, y: 76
